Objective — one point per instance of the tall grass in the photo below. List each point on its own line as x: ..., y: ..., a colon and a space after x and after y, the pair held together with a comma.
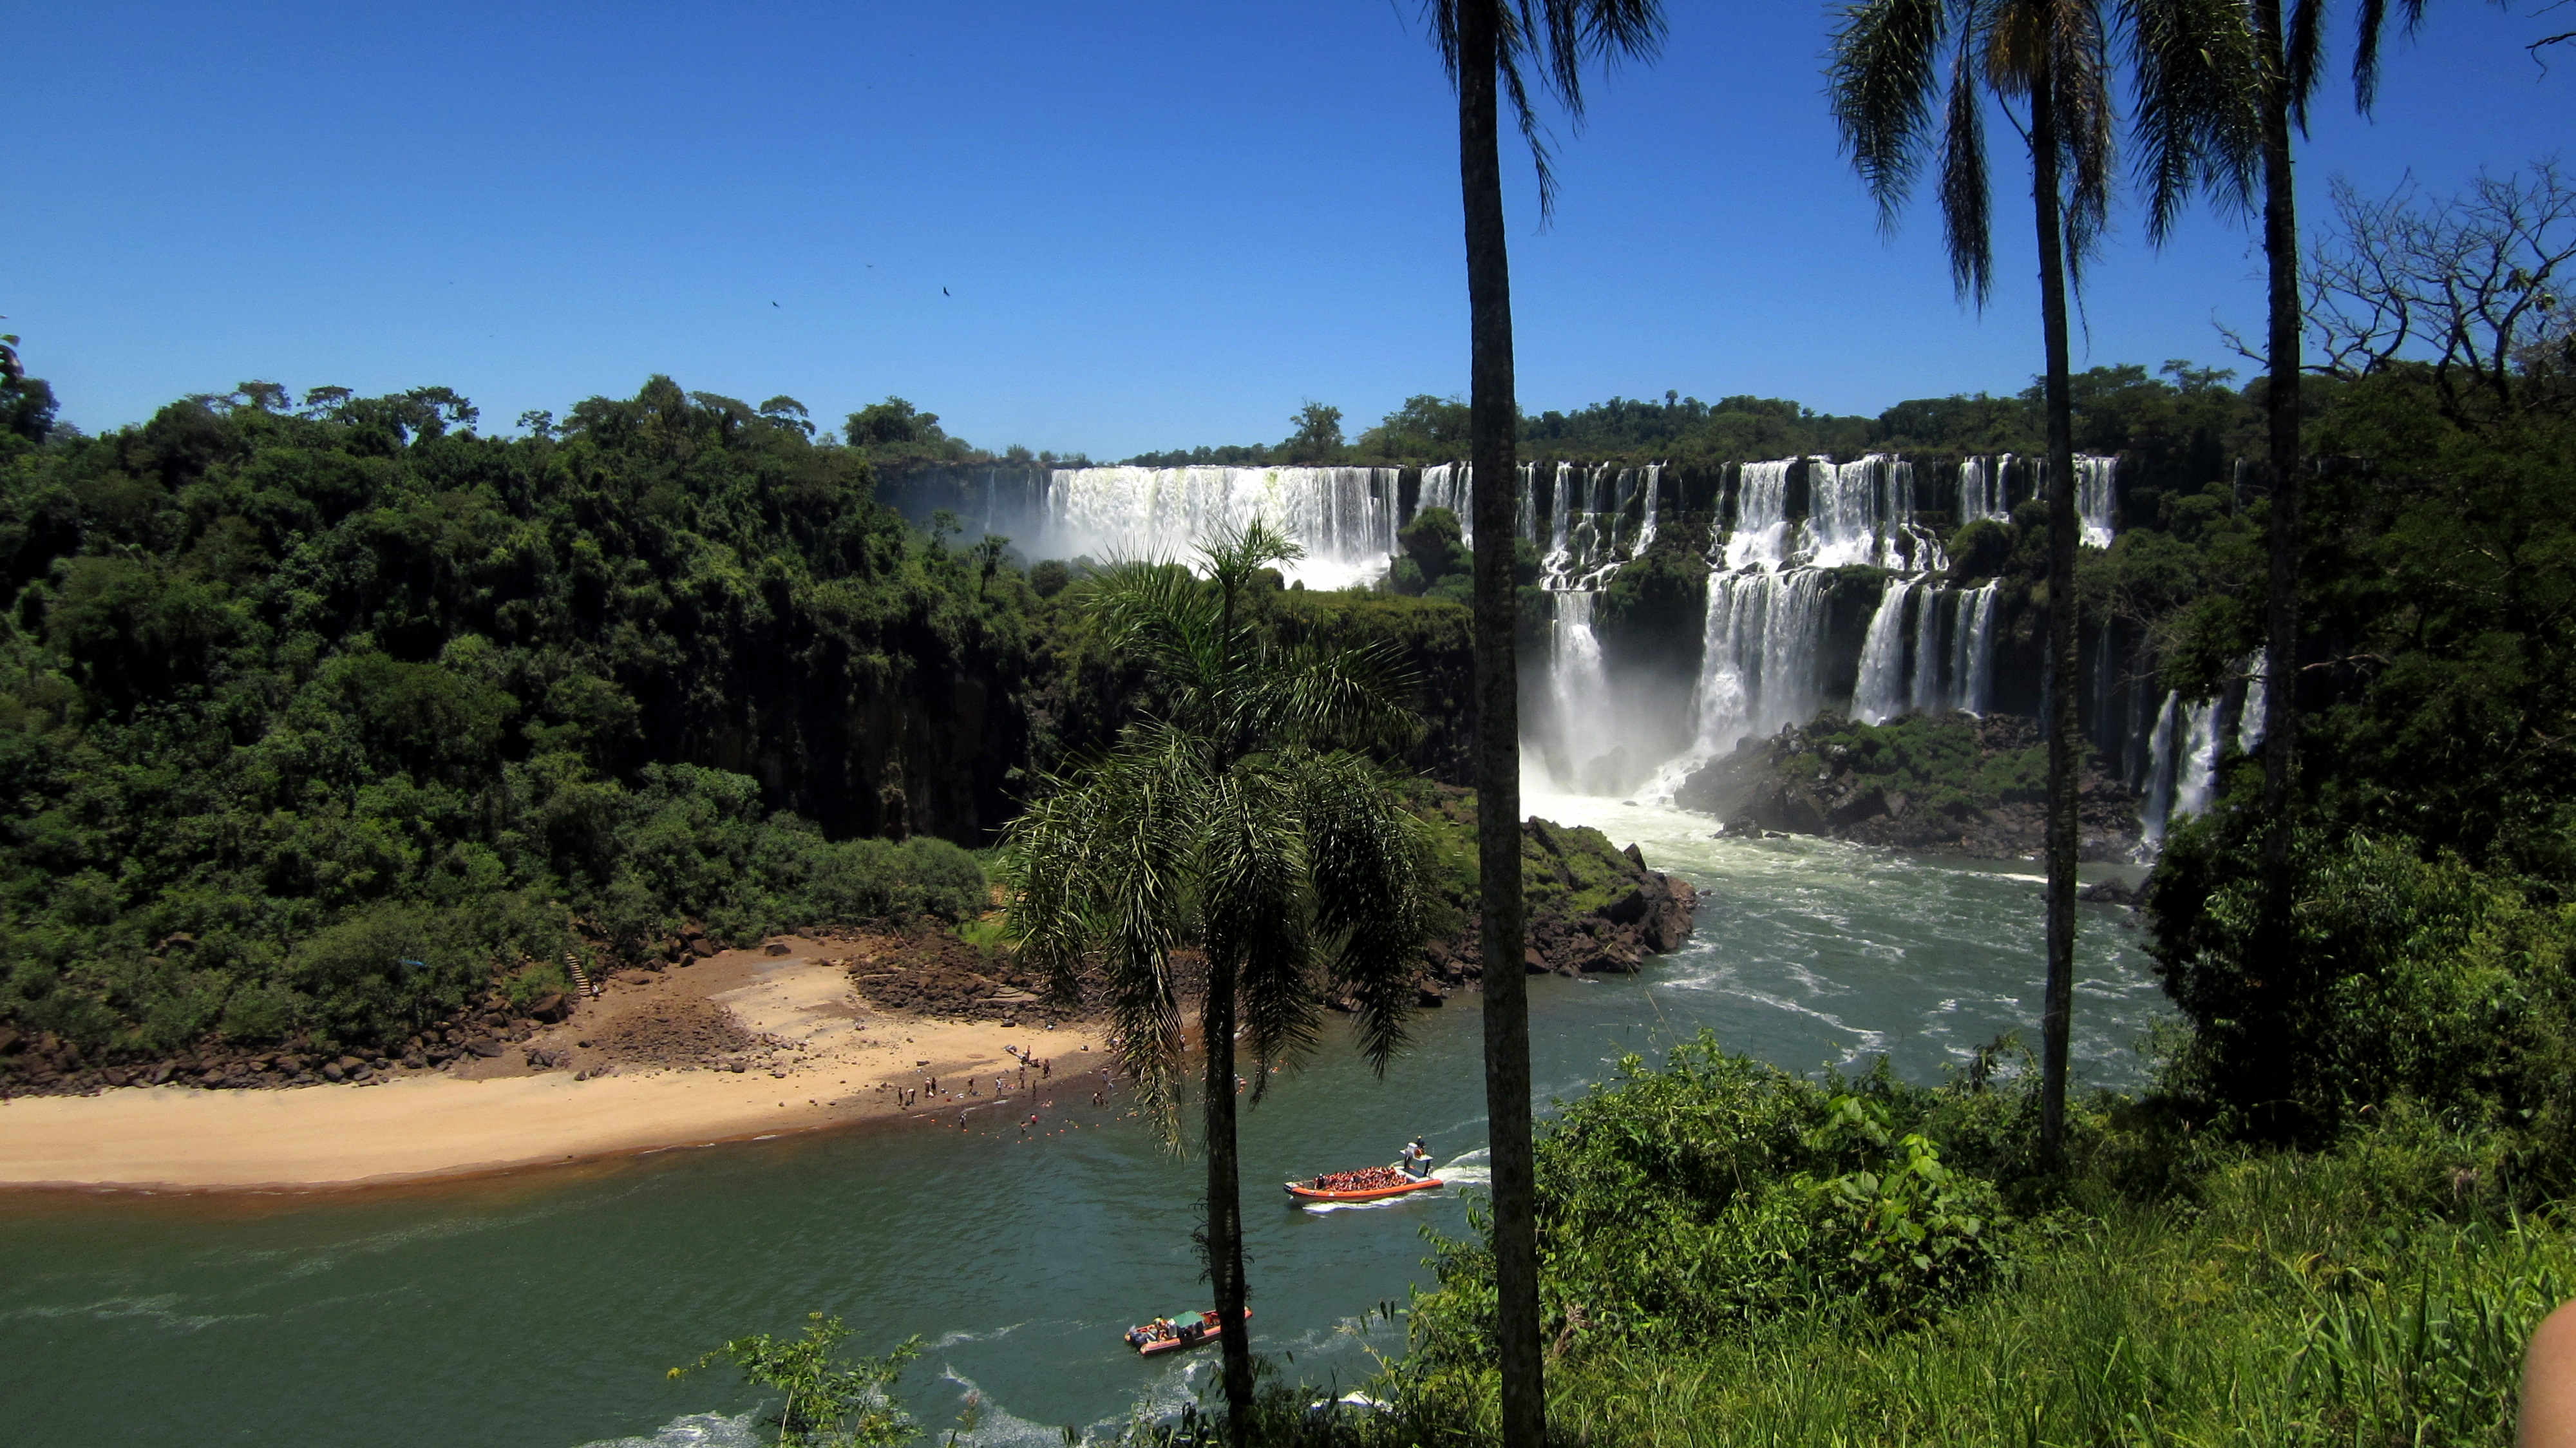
x: 2285, y: 1307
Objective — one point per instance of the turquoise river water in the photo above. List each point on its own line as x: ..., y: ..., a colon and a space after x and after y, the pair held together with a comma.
x: 542, y: 1309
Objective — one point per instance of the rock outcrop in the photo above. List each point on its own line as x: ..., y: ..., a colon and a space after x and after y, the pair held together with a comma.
x: 1956, y: 784
x: 1593, y: 908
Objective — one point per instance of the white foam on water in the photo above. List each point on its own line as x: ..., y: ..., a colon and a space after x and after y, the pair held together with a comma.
x: 697, y: 1430
x: 951, y: 1339
x: 161, y: 1308
x: 995, y: 1425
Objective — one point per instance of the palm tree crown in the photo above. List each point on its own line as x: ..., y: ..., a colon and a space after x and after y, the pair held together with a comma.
x: 1897, y: 62
x: 1556, y: 39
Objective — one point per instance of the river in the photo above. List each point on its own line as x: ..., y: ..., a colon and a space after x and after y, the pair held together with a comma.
x: 543, y: 1309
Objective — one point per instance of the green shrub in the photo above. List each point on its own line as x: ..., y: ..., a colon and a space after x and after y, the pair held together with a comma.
x: 2403, y: 979
x: 1717, y: 1198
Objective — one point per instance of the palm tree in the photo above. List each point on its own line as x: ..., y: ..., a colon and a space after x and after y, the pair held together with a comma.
x: 2284, y: 72
x: 2054, y: 58
x: 1489, y: 47
x: 1235, y: 826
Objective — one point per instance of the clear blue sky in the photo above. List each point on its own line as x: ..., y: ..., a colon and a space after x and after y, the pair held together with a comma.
x: 1158, y: 224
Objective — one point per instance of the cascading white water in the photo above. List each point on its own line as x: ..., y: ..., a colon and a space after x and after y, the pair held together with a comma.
x: 2184, y: 774
x: 1880, y: 693
x: 1576, y: 678
x: 1982, y: 488
x: 2196, y: 776
x: 1985, y: 491
x: 1925, y: 697
x: 1761, y: 535
x: 2160, y: 774
x: 2094, y: 480
x: 1345, y: 518
x: 1654, y: 490
x: 1762, y: 650
x: 2249, y: 724
x: 1863, y: 512
x: 1973, y: 663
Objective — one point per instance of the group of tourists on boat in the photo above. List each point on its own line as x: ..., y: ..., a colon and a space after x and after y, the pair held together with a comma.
x: 1411, y: 1171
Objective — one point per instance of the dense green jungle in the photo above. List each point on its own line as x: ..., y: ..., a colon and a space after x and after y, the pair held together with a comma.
x: 323, y: 717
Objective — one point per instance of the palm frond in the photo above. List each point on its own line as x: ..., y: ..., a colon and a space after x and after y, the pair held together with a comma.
x: 1556, y: 39
x: 2303, y: 58
x: 1100, y: 870
x: 1163, y: 616
x: 2196, y: 78
x: 2080, y: 64
x: 1306, y: 693
x: 1966, y: 199
x: 1369, y: 862
x: 2373, y: 20
x: 1885, y: 56
x: 1254, y: 865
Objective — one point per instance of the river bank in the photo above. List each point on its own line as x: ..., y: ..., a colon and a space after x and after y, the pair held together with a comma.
x: 465, y: 1310
x: 745, y: 1044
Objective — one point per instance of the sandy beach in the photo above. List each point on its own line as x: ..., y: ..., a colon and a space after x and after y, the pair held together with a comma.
x: 793, y: 1048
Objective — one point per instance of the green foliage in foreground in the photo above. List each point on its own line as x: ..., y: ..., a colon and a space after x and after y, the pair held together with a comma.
x: 832, y: 1401
x: 1734, y: 1255
x: 1721, y: 1197
x: 2405, y: 978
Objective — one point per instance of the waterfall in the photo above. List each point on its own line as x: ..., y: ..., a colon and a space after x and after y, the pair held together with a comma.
x: 1925, y: 698
x: 1985, y: 491
x: 2196, y: 776
x: 1761, y: 653
x: 1345, y: 518
x: 2184, y: 775
x: 1761, y: 534
x: 2094, y: 477
x: 1860, y: 511
x: 1973, y: 666
x: 1654, y: 489
x: 2249, y: 725
x: 1557, y: 513
x: 1982, y: 489
x: 1445, y: 485
x: 1576, y: 678
x: 1880, y: 693
x: 2160, y: 772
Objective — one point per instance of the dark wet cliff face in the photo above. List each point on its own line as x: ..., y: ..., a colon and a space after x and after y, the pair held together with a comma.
x: 938, y: 753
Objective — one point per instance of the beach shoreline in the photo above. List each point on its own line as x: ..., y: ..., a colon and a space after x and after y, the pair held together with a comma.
x: 822, y: 1058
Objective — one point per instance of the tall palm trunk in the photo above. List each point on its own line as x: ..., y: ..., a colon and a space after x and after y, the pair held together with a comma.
x: 1498, y: 761
x: 2281, y: 406
x: 1225, y: 1197
x: 2065, y: 745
